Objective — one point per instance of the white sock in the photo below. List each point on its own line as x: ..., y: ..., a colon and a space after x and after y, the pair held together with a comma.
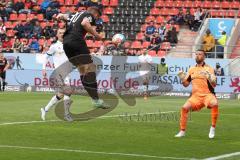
x: 66, y: 104
x: 53, y: 101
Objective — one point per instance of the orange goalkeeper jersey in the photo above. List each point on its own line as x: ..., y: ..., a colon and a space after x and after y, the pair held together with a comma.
x: 200, y: 84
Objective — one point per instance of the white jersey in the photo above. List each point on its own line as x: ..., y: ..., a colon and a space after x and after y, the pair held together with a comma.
x: 56, y: 51
x: 59, y: 57
x: 145, y: 59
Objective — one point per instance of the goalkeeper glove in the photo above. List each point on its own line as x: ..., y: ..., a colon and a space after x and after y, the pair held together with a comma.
x: 212, y: 78
x: 181, y: 75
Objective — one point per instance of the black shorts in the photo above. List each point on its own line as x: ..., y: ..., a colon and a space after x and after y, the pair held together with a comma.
x: 77, y: 52
x: 3, y: 75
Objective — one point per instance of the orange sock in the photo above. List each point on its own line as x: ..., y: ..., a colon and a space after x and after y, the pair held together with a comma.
x: 214, y: 113
x: 183, y: 119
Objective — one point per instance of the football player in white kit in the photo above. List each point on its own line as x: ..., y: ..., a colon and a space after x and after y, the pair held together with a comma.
x: 56, y: 51
x: 145, y: 60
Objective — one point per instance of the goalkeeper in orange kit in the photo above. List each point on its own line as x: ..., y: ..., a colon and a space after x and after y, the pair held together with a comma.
x: 203, y: 82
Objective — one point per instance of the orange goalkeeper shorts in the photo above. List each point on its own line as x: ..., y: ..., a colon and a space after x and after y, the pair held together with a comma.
x: 199, y: 101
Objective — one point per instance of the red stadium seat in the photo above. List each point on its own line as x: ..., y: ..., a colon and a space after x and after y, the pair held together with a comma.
x: 106, y: 42
x: 164, y: 11
x: 108, y: 10
x: 63, y: 9
x: 160, y: 19
x: 8, y: 24
x: 160, y: 3
x: 188, y: 4
x: 105, y: 18
x: 168, y: 18
x: 98, y: 44
x: 68, y: 2
x: 143, y: 27
x: 89, y: 43
x: 61, y: 2
x: 140, y: 36
x: 235, y: 5
x: 13, y: 17
x: 149, y: 19
x: 178, y: 4
x: 22, y: 17
x: 40, y: 17
x: 105, y: 3
x: 161, y: 53
x: 216, y: 4
x: 75, y: 2
x: 152, y: 53
x: 146, y: 44
x: 230, y: 13
x: 14, y: 24
x: 197, y: 4
x: 169, y: 3
x: 154, y: 11
x: 225, y: 5
x: 165, y: 46
x: 10, y: 33
x: 127, y: 44
x: 136, y: 45
x: 31, y: 16
x: 113, y: 3
x: 207, y: 4
x: 173, y: 11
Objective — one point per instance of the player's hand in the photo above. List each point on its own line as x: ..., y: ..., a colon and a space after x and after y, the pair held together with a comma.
x: 210, y: 77
x: 44, y: 73
x: 61, y: 16
x: 181, y: 75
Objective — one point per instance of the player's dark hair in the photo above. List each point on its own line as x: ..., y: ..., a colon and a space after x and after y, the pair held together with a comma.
x: 96, y: 9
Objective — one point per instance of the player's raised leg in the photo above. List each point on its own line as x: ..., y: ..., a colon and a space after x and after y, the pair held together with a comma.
x: 89, y: 81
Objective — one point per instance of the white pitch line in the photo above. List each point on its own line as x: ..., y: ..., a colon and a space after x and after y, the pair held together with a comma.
x: 223, y: 156
x: 94, y: 152
x: 102, y: 117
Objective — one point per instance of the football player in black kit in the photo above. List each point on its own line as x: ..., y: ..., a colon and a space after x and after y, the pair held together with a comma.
x: 3, y: 68
x: 77, y: 51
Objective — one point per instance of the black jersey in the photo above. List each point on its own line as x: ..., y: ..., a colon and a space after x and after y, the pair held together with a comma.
x: 3, y: 64
x: 75, y: 30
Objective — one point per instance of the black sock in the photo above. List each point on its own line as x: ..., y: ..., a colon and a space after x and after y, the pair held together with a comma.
x: 90, y: 84
x: 0, y: 86
x: 4, y: 84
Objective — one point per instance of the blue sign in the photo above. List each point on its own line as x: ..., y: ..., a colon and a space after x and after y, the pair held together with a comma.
x: 217, y: 25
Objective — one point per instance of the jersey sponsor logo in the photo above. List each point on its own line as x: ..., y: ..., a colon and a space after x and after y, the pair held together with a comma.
x: 75, y: 17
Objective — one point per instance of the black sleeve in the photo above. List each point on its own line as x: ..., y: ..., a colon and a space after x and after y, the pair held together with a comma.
x: 189, y: 79
x: 6, y: 62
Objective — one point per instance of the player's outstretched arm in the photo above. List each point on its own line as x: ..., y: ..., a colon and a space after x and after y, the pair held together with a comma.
x: 61, y: 16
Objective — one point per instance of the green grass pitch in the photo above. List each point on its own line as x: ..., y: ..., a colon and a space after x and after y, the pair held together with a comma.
x: 113, y: 138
